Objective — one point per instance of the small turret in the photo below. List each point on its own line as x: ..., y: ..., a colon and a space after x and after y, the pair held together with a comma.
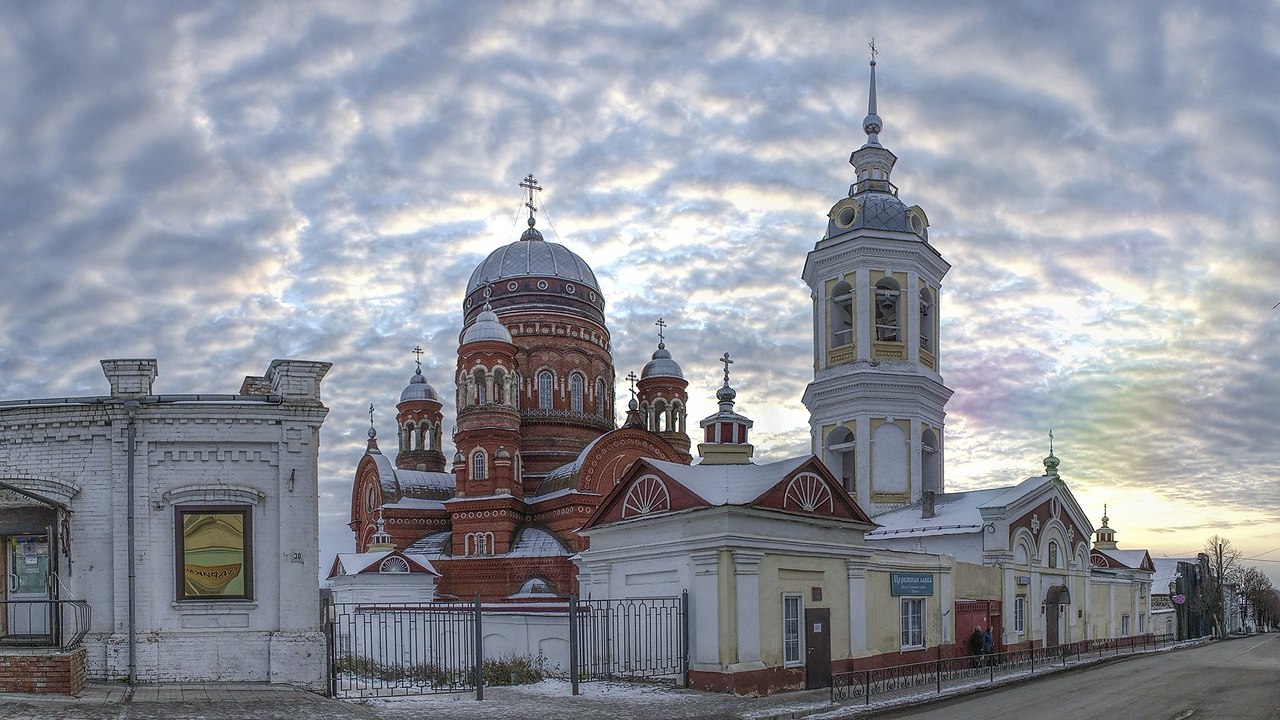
x: 725, y: 432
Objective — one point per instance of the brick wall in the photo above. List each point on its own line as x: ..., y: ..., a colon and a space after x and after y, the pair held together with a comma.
x: 50, y: 672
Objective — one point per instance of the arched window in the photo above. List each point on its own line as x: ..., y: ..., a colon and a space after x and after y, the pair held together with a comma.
x: 840, y: 457
x: 600, y: 404
x: 841, y: 320
x: 545, y: 383
x: 889, y: 459
x: 1053, y: 554
x: 479, y: 466
x: 659, y: 416
x: 577, y: 387
x: 926, y: 320
x: 888, y: 310
x: 482, y: 390
x: 931, y: 461
x: 499, y: 386
x: 394, y: 565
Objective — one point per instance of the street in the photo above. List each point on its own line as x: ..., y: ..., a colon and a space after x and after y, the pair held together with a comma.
x: 1236, y: 679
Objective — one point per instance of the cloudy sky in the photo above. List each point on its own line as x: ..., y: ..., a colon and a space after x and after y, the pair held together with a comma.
x: 217, y: 184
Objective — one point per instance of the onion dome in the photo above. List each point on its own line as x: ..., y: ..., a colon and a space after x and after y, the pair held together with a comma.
x: 486, y: 327
x: 418, y: 389
x: 662, y: 365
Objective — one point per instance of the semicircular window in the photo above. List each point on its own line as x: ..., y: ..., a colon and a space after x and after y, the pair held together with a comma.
x: 648, y: 495
x: 809, y: 493
x: 394, y: 565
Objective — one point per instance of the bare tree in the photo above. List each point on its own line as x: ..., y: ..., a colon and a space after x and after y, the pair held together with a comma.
x: 1256, y: 589
x: 1220, y: 564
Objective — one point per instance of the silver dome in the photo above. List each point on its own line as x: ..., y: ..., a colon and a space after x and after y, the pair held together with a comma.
x: 531, y: 256
x: 418, y: 389
x: 661, y: 365
x: 882, y: 211
x: 486, y: 327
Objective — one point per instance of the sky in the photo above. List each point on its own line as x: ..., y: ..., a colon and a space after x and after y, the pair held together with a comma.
x: 218, y: 184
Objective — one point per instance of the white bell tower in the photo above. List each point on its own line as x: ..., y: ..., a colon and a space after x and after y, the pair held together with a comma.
x: 876, y: 403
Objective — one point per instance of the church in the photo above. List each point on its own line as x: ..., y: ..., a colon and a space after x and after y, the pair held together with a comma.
x: 536, y: 441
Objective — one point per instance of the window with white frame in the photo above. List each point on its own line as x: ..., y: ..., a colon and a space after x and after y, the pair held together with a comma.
x: 1020, y: 614
x: 792, y: 646
x: 1142, y: 623
x: 545, y: 383
x: 479, y: 466
x: 577, y: 386
x: 1124, y: 626
x: 912, y: 623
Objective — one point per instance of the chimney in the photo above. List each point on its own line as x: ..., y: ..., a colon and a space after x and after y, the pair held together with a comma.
x: 926, y: 504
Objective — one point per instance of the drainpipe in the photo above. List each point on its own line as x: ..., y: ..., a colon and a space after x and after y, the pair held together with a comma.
x: 131, y: 410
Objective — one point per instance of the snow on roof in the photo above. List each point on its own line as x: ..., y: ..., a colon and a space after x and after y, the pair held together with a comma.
x: 1166, y: 572
x: 412, y: 483
x: 565, y: 477
x: 1128, y: 558
x: 533, y: 588
x: 955, y: 513
x: 531, y: 542
x: 560, y: 493
x: 410, y: 503
x: 356, y: 563
x: 729, y: 484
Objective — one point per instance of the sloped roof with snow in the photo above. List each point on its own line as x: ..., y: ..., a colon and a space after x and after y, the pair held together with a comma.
x: 954, y: 513
x: 729, y: 484
x: 530, y: 542
x: 1132, y: 559
x: 357, y: 563
x: 419, y: 484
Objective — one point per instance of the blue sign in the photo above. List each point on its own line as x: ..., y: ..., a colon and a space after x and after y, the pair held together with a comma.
x: 905, y: 583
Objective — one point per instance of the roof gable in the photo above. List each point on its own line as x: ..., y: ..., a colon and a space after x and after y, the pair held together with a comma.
x: 810, y: 489
x: 644, y: 490
x: 1121, y: 559
x: 373, y: 562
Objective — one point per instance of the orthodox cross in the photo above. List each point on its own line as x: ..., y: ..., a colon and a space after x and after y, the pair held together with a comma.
x: 631, y: 377
x: 370, y: 416
x: 1050, y: 441
x: 661, y: 326
x: 530, y: 183
x: 727, y: 362
x: 417, y: 351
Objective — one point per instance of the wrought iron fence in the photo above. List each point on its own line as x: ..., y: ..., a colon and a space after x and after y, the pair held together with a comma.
x: 954, y: 671
x: 379, y: 650
x: 42, y: 623
x: 632, y: 638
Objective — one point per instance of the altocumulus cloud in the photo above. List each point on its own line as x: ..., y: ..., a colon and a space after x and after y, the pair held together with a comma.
x: 217, y: 184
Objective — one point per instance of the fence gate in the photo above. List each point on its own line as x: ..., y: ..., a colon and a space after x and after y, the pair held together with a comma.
x: 380, y: 650
x: 630, y: 638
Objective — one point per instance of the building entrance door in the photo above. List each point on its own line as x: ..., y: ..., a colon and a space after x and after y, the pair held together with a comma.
x: 1051, y: 625
x: 28, y: 609
x: 817, y: 648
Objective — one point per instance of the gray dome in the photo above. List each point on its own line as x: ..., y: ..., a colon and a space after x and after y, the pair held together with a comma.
x: 661, y: 365
x: 486, y: 327
x: 531, y: 256
x: 418, y: 389
x: 882, y: 211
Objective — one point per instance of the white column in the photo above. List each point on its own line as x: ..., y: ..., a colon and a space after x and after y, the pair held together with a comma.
x: 746, y: 588
x: 857, y: 569
x: 704, y: 612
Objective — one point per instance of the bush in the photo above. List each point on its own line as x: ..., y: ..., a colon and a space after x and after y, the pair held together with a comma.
x: 514, y: 670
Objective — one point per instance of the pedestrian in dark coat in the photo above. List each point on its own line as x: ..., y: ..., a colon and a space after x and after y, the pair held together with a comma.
x: 988, y: 645
x: 975, y: 644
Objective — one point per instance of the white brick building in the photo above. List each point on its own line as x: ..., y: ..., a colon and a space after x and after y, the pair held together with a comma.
x: 210, y: 572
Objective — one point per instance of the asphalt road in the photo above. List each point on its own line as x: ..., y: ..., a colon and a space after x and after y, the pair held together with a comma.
x: 1237, y: 679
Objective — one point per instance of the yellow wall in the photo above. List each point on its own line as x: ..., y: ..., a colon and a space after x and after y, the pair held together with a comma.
x: 781, y: 574
x: 978, y: 582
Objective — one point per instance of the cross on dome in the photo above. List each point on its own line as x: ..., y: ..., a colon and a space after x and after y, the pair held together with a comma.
x: 662, y: 324
x: 417, y: 351
x: 631, y: 378
x: 530, y: 183
x: 727, y: 362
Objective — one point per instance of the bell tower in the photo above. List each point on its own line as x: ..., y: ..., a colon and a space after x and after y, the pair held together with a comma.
x: 876, y: 403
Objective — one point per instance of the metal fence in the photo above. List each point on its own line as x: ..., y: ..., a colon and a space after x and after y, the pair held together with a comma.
x: 380, y: 650
x: 58, y: 624
x: 632, y: 638
x: 936, y: 675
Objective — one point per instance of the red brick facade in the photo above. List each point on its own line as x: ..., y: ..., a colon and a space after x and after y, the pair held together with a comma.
x: 45, y: 672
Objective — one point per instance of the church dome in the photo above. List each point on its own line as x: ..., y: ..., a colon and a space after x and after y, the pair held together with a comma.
x: 532, y: 256
x: 486, y: 327
x: 661, y: 365
x: 882, y: 211
x: 418, y: 389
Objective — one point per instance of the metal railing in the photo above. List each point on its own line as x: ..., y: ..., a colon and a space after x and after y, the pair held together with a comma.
x: 60, y: 624
x: 632, y: 638
x: 936, y: 675
x: 380, y: 650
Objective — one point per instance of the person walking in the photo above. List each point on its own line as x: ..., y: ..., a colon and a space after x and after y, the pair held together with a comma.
x: 975, y: 645
x: 989, y: 646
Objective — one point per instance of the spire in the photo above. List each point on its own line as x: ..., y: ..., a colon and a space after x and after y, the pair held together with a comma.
x: 1051, y: 462
x: 872, y: 124
x: 1106, y: 535
x: 373, y: 433
x: 725, y: 433
x: 530, y: 184
x: 872, y: 161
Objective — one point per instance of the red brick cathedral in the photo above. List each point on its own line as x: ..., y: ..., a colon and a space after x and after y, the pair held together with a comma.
x: 537, y: 446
